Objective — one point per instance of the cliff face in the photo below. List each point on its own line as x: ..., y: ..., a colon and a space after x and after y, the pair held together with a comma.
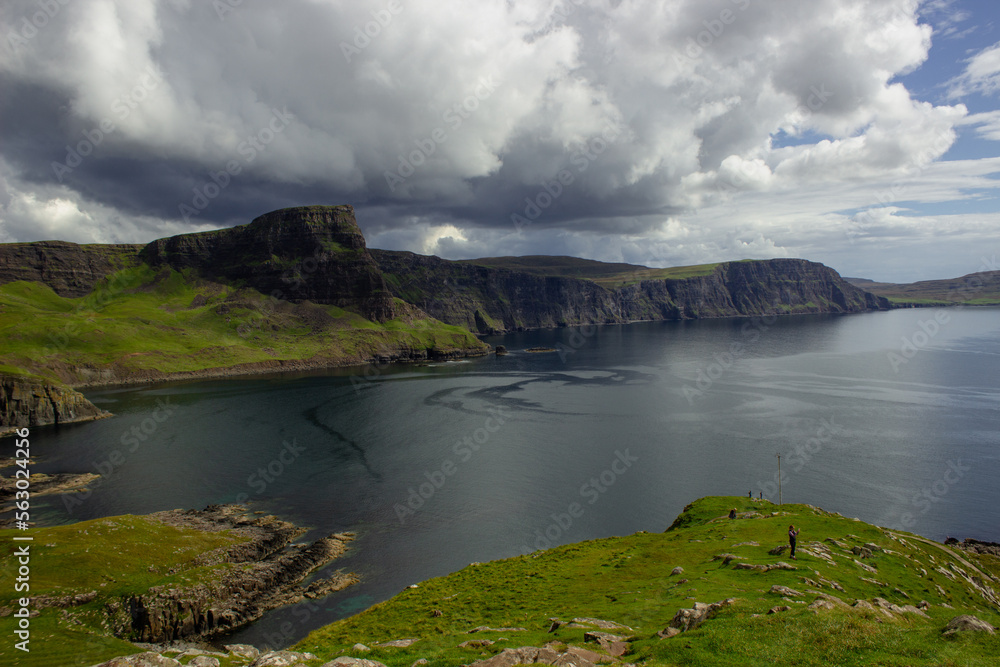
x: 69, y: 269
x: 487, y: 300
x: 747, y: 288
x: 310, y: 253
x: 491, y: 300
x: 25, y: 402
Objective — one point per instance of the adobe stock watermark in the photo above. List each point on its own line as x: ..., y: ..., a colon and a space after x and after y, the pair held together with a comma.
x: 294, y: 277
x: 551, y: 190
x: 464, y: 450
x: 929, y: 328
x: 896, y: 189
x: 249, y: 149
x: 121, y: 109
x: 19, y: 36
x: 266, y: 475
x: 723, y: 361
x: 591, y: 490
x: 454, y: 117
x: 920, y: 339
x: 96, y: 300
x: 130, y: 441
x: 714, y: 29
x: 924, y: 499
x: 801, y: 456
x: 363, y: 35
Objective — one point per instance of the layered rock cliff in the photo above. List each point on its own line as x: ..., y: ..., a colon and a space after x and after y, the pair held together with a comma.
x: 309, y: 253
x: 68, y: 268
x: 492, y: 300
x: 30, y: 402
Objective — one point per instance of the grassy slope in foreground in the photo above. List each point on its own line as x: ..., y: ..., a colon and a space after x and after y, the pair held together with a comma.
x: 628, y: 580
x: 146, y: 324
x: 112, y: 557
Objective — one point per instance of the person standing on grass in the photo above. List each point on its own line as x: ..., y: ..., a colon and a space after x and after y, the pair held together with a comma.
x: 792, y: 534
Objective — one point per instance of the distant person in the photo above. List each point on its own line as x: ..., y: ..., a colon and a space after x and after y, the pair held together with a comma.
x: 750, y: 494
x: 792, y: 534
x: 732, y: 513
x: 762, y: 495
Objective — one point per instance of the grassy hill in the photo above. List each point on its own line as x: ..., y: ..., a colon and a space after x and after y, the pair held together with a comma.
x: 976, y: 289
x: 628, y: 580
x: 108, y: 558
x: 145, y: 323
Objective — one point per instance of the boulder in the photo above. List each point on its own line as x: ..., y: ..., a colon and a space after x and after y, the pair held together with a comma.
x: 585, y: 654
x: 750, y: 566
x: 398, y: 643
x: 281, y: 659
x: 779, y: 608
x: 968, y: 623
x: 204, y: 661
x: 243, y: 651
x: 345, y: 661
x: 864, y: 605
x: 689, y: 619
x: 602, y: 624
x: 821, y: 604
x: 785, y: 590
x: 148, y: 659
x: 778, y: 550
x: 677, y: 570
x: 781, y: 565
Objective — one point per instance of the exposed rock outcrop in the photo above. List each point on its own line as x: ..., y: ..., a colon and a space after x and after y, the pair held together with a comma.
x: 967, y: 623
x: 29, y: 402
x: 69, y: 269
x: 488, y: 299
x: 314, y: 253
x: 270, y: 575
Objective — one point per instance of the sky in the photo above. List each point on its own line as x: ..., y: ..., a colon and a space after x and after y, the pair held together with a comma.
x: 863, y: 134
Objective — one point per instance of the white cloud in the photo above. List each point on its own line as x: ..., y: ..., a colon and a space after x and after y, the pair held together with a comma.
x: 981, y: 75
x: 732, y: 120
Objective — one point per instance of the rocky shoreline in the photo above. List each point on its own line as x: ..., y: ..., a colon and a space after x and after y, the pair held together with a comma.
x: 269, y: 574
x: 110, y: 378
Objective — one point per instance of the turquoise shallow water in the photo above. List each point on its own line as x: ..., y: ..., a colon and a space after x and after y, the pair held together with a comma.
x: 889, y: 417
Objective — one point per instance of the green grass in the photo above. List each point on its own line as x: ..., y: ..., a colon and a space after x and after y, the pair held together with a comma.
x: 628, y: 580
x: 606, y: 274
x: 140, y: 320
x: 623, y: 579
x: 979, y: 289
x: 111, y: 556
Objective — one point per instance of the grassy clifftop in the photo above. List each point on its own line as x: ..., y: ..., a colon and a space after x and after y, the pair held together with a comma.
x: 629, y: 581
x: 146, y: 323
x: 856, y: 595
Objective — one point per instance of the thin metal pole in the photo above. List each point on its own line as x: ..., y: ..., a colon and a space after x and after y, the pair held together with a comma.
x: 779, y: 478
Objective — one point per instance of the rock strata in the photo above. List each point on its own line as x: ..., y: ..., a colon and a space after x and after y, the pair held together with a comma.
x: 28, y: 403
x: 270, y: 575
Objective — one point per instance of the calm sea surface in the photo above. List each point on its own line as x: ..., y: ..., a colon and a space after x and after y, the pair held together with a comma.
x: 439, y: 466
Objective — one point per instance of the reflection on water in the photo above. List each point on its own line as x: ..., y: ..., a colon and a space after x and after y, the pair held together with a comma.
x: 441, y: 465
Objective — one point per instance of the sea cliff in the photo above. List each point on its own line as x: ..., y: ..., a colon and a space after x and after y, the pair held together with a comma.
x: 298, y: 289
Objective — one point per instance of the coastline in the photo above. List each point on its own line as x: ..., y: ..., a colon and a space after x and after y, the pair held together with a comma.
x: 267, y: 367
